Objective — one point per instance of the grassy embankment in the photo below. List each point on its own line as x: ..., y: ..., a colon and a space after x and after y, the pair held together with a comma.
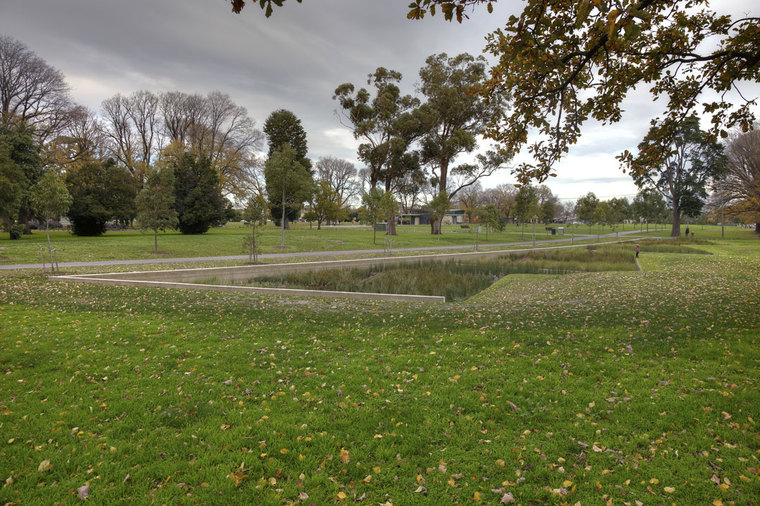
x: 629, y: 386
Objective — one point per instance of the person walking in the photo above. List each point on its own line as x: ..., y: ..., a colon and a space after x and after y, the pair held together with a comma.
x: 637, y: 251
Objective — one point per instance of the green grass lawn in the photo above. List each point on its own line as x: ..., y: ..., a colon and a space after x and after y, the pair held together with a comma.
x: 227, y: 241
x: 590, y: 387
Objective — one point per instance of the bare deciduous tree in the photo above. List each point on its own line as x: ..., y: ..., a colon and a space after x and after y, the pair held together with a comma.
x: 566, y: 210
x: 230, y: 140
x: 411, y: 189
x: 175, y: 111
x: 31, y: 90
x: 739, y: 192
x: 341, y: 175
x: 544, y: 194
x: 364, y: 179
x: 82, y: 139
x: 120, y: 132
x: 469, y: 199
x: 143, y: 109
x: 503, y: 197
x: 211, y: 126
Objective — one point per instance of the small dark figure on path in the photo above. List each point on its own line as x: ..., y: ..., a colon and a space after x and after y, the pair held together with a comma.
x: 637, y: 251
x: 687, y: 231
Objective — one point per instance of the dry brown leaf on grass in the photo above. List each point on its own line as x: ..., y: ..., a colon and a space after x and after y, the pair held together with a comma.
x: 237, y: 477
x: 83, y: 492
x: 507, y: 498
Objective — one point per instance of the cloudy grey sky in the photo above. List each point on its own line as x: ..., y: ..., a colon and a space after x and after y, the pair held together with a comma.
x: 293, y: 60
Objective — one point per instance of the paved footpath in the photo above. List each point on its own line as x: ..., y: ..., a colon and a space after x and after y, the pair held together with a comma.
x: 149, y: 261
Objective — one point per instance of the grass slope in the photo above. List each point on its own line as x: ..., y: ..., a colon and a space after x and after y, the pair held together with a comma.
x: 590, y: 387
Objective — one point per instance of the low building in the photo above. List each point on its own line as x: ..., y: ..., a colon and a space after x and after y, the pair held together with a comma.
x: 422, y: 217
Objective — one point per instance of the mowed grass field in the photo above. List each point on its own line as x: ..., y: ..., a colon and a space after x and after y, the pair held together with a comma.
x: 619, y: 388
x: 228, y: 241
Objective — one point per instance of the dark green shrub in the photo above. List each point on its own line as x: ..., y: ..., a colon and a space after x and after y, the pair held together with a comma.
x: 16, y: 230
x: 197, y: 198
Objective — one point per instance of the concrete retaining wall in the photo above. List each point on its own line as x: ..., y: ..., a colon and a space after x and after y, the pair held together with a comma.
x: 253, y: 289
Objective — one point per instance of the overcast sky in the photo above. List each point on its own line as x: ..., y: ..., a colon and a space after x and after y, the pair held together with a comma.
x: 293, y: 60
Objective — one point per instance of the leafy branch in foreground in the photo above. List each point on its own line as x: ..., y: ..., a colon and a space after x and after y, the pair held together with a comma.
x: 451, y: 9
x: 266, y: 5
x: 565, y: 62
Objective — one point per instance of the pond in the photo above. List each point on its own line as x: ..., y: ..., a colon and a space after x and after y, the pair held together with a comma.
x: 456, y: 279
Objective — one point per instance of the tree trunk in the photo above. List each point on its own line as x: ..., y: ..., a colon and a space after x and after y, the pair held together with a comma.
x: 26, y: 220
x: 675, y: 231
x: 50, y: 246
x: 47, y: 232
x: 155, y: 241
x: 282, y: 231
x: 253, y: 257
x: 391, y: 227
x: 757, y: 228
x: 435, y: 226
